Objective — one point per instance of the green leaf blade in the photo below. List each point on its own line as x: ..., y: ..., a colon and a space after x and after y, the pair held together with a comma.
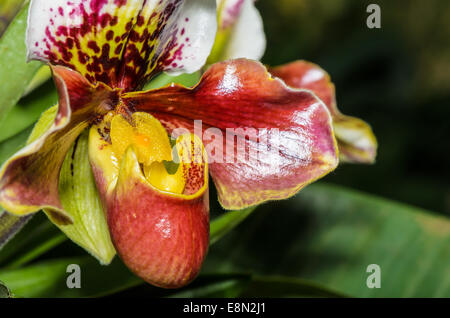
x: 227, y: 222
x: 329, y: 235
x: 49, y: 278
x: 10, y: 225
x: 15, y: 72
x: 4, y: 291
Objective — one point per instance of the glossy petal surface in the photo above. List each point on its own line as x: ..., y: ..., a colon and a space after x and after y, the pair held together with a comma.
x: 357, y: 142
x: 29, y: 180
x: 286, y: 133
x: 162, y: 236
x: 122, y: 42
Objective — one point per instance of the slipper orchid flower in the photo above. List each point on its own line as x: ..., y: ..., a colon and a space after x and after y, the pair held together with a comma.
x: 101, y: 53
x: 241, y: 34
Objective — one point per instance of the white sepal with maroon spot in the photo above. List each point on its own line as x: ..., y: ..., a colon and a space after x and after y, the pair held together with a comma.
x: 122, y: 43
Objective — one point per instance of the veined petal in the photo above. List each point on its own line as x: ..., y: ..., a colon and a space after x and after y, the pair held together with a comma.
x: 285, y: 136
x: 176, y: 36
x: 240, y: 31
x: 357, y: 142
x: 160, y: 230
x: 79, y: 197
x: 122, y: 42
x: 29, y: 180
x: 87, y: 36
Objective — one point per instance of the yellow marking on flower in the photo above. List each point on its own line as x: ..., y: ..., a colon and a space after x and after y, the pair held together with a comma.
x: 151, y: 145
x: 149, y: 46
x: 146, y: 133
x: 357, y: 142
x: 158, y: 176
x: 102, y: 155
x: 141, y: 38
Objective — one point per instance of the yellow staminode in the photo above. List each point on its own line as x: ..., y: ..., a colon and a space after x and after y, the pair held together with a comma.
x: 158, y: 176
x: 152, y: 146
x: 146, y: 133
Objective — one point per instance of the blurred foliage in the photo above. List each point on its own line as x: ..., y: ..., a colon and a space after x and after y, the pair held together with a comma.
x: 328, y: 235
x: 397, y: 78
x: 8, y: 10
x: 4, y: 291
x: 15, y: 73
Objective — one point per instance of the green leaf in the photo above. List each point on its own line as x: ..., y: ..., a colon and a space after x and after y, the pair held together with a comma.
x: 15, y: 72
x: 28, y: 110
x: 246, y: 285
x: 8, y: 9
x: 42, y: 75
x: 227, y: 222
x: 222, y: 285
x: 4, y: 291
x: 9, y: 226
x: 36, y: 238
x: 13, y: 144
x: 282, y: 287
x: 49, y: 278
x: 164, y: 79
x: 42, y: 248
x: 329, y: 235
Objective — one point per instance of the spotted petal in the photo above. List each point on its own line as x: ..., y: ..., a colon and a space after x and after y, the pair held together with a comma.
x: 29, y: 180
x: 285, y: 135
x: 122, y: 43
x: 357, y: 142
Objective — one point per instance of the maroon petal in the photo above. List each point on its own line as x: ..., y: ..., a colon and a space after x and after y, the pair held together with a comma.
x: 286, y: 134
x: 356, y: 140
x: 29, y: 180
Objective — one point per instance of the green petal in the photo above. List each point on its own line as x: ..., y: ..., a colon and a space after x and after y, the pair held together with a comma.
x: 240, y: 32
x: 41, y: 76
x: 357, y: 142
x: 79, y: 197
x: 44, y: 123
x: 4, y: 291
x: 10, y: 225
